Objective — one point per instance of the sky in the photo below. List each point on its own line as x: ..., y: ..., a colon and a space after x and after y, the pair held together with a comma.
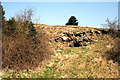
x: 91, y: 14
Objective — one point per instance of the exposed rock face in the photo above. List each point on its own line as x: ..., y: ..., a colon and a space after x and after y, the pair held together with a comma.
x: 76, y: 39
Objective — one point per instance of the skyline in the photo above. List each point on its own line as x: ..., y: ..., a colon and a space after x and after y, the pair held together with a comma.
x: 91, y: 14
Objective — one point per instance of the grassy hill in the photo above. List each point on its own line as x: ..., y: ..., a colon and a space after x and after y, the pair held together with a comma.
x: 96, y: 60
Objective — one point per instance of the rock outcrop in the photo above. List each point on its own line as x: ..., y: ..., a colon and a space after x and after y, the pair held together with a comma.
x: 76, y: 39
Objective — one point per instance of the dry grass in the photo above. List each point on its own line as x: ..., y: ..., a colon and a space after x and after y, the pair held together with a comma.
x: 74, y: 62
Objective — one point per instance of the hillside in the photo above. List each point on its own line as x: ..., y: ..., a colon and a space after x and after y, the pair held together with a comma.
x: 79, y: 52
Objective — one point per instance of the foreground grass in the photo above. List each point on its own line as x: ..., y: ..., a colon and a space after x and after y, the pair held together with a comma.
x: 73, y: 62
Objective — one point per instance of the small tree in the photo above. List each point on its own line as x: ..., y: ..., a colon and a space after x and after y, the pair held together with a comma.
x: 25, y: 19
x: 113, y: 28
x: 2, y: 17
x: 72, y: 21
x: 32, y: 30
x: 10, y: 27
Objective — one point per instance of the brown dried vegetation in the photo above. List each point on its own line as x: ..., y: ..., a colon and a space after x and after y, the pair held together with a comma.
x: 23, y: 48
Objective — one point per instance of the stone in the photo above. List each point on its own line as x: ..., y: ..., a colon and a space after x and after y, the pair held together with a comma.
x: 80, y: 39
x: 63, y: 34
x: 77, y: 34
x: 59, y: 39
x: 91, y: 40
x: 64, y: 38
x: 84, y: 33
x: 104, y: 32
x: 77, y: 38
x: 80, y: 44
x: 88, y: 42
x: 97, y: 32
x: 71, y: 44
x: 85, y: 39
x: 76, y: 44
x: 84, y: 44
x: 90, y: 31
x: 69, y: 35
x: 68, y: 40
x: 74, y: 39
x: 56, y: 40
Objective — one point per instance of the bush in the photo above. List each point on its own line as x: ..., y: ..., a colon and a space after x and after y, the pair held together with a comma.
x: 22, y: 47
x: 23, y: 52
x: 113, y: 53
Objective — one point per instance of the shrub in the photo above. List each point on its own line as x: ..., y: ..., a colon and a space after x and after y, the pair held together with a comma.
x: 114, y: 53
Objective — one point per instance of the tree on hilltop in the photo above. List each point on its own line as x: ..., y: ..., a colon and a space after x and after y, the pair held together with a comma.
x: 72, y: 21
